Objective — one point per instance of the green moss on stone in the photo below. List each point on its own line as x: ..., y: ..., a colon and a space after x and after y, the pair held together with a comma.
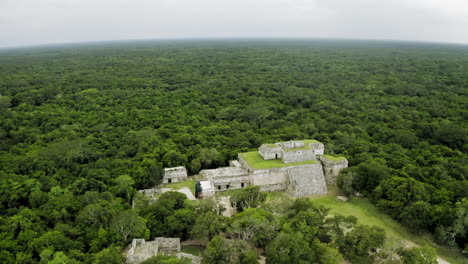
x: 256, y: 161
x: 334, y: 158
x: 309, y: 141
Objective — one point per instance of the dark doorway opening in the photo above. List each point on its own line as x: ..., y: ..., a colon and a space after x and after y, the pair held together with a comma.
x: 227, y: 186
x: 242, y: 185
x: 169, y: 181
x: 219, y: 187
x: 276, y: 156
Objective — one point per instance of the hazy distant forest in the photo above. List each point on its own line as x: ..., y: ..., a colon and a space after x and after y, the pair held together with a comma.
x: 82, y: 127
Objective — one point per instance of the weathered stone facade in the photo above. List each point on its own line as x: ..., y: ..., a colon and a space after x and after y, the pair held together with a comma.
x: 175, y: 174
x: 207, y: 189
x: 317, y: 147
x: 270, y: 151
x: 298, y: 155
x: 227, y: 178
x: 141, y: 250
x: 332, y: 168
x: 306, y: 179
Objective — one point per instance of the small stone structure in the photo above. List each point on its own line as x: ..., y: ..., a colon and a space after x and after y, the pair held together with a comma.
x: 141, y: 250
x: 227, y: 178
x: 308, y: 173
x: 292, y: 151
x: 175, y: 174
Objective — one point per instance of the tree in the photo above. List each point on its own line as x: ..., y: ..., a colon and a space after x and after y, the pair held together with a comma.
x: 124, y: 187
x: 289, y: 248
x: 61, y: 258
x: 208, y: 225
x: 127, y: 225
x: 221, y: 250
x: 180, y: 223
x: 109, y: 255
x: 254, y: 225
x: 359, y: 242
x: 210, y: 158
x: 198, y: 189
x: 418, y: 255
x: 173, y: 159
x: 56, y: 240
x: 247, y: 197
x: 369, y: 174
x: 5, y: 101
x: 345, y: 182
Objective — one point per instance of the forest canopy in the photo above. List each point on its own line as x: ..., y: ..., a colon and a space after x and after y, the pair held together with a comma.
x: 85, y: 126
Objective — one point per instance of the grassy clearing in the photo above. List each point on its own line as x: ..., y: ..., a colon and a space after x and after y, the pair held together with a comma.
x: 334, y: 158
x: 179, y: 185
x: 397, y: 235
x: 194, y: 250
x: 305, y: 147
x: 258, y: 163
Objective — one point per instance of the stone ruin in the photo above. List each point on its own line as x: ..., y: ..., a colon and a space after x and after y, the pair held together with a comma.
x: 309, y: 172
x: 304, y: 170
x: 175, y: 174
x: 141, y: 250
x: 332, y: 168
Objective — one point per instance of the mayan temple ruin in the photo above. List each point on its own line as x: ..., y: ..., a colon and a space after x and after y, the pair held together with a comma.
x: 298, y: 167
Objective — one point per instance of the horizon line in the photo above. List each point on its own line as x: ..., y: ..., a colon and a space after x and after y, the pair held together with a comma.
x: 115, y: 41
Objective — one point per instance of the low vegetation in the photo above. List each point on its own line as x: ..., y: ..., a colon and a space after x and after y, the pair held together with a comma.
x: 256, y: 161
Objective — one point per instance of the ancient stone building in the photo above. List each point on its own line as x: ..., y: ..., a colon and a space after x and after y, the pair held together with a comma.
x: 298, y: 167
x: 175, y: 174
x: 227, y: 178
x: 292, y: 151
x: 141, y: 250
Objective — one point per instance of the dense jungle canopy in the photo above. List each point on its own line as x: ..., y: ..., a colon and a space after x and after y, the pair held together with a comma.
x: 82, y: 127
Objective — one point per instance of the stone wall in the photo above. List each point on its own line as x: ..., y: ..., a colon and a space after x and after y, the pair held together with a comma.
x: 332, y: 168
x: 266, y: 178
x: 317, y: 148
x: 274, y: 187
x: 141, y: 250
x: 298, y: 156
x: 175, y: 174
x: 207, y: 189
x: 234, y: 163
x: 306, y: 179
x: 168, y: 244
x: 269, y: 152
x: 291, y: 144
x: 227, y: 178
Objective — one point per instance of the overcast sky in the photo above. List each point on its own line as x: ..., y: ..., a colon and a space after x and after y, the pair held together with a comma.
x: 31, y: 22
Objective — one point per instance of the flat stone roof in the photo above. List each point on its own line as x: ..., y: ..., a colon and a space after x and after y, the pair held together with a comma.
x: 224, y: 172
x: 174, y: 168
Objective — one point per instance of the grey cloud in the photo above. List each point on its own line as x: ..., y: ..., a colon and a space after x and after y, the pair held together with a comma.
x: 28, y: 22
